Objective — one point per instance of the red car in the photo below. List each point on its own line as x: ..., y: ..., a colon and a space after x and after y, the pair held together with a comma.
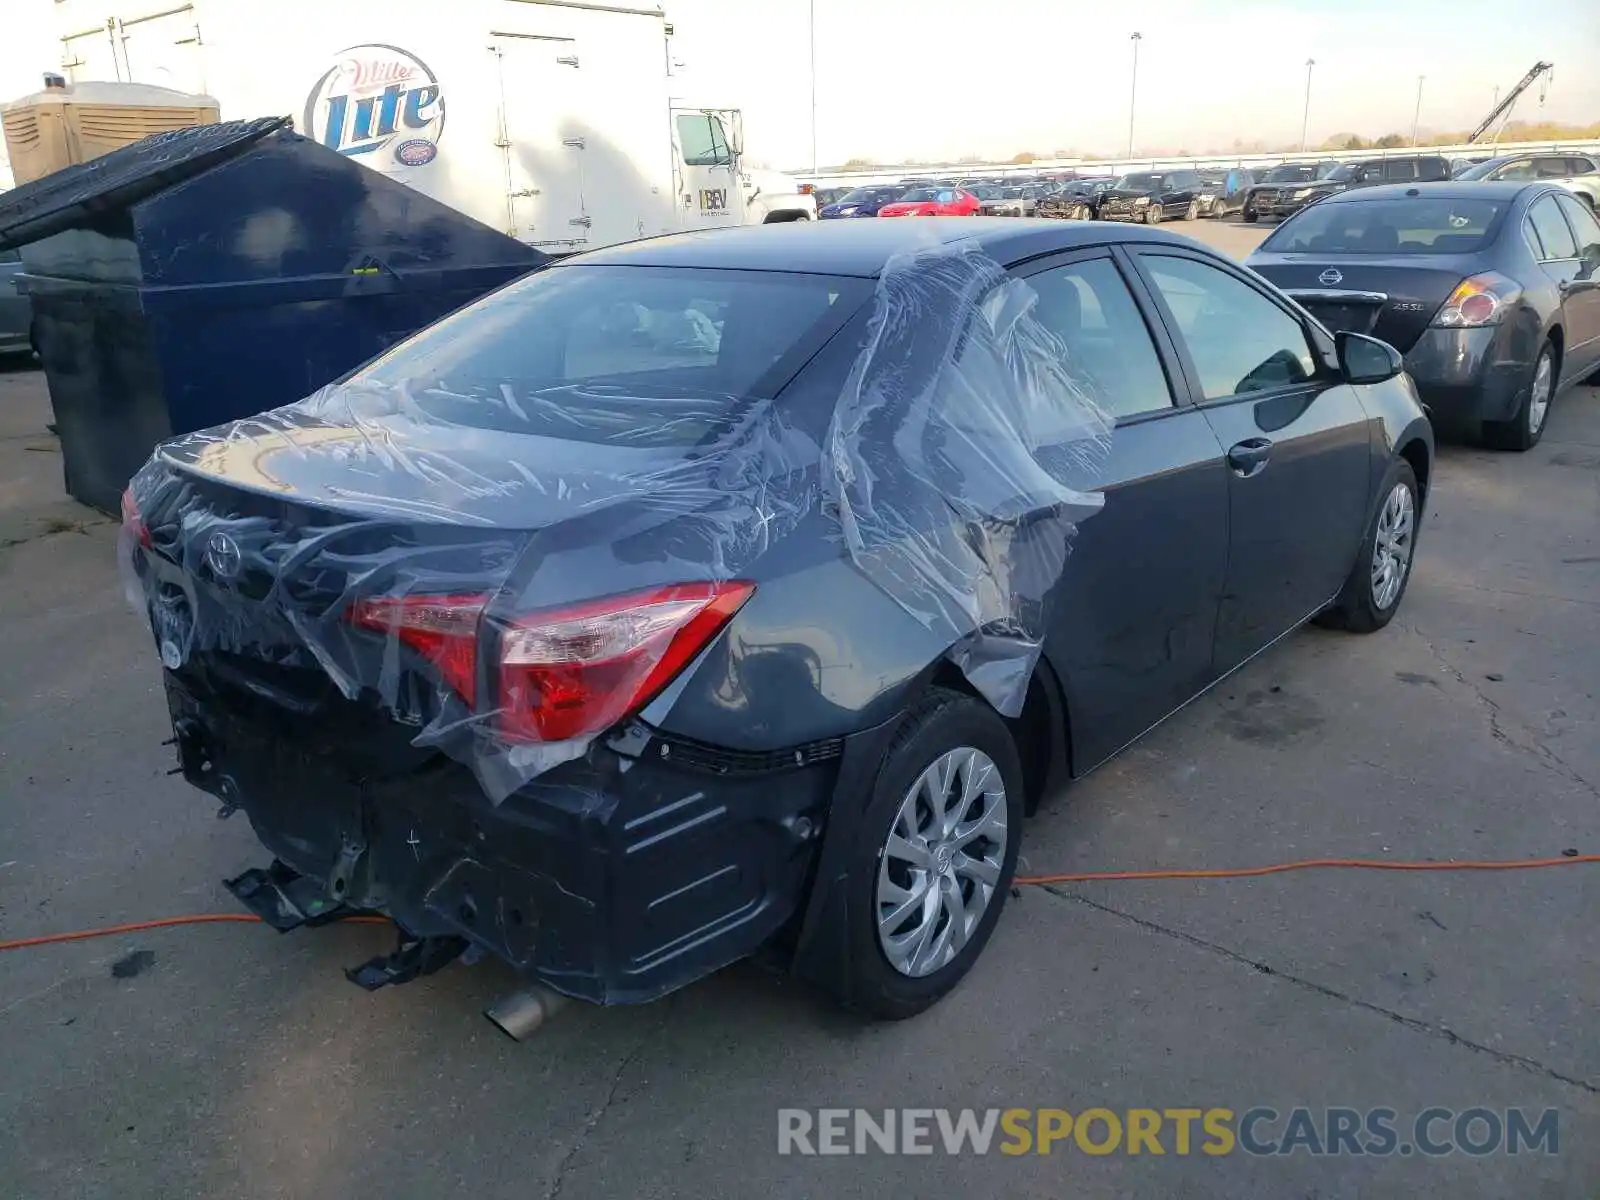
x: 933, y: 202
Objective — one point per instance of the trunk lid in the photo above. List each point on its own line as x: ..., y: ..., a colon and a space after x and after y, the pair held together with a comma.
x: 262, y: 536
x: 1390, y: 297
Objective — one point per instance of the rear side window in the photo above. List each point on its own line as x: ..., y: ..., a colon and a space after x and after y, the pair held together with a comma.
x: 1404, y: 225
x: 1088, y: 306
x: 1584, y: 225
x: 1238, y: 340
x: 1400, y: 169
x: 643, y: 356
x: 1580, y: 166
x: 1433, y: 169
x: 1552, y: 229
x: 1549, y: 168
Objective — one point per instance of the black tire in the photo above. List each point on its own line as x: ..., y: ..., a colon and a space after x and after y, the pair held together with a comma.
x: 1520, y: 432
x: 1356, y: 609
x: 1194, y: 211
x: 943, y: 721
x: 1250, y: 215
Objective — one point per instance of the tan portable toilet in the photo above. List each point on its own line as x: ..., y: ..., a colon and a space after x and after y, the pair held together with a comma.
x: 71, y: 123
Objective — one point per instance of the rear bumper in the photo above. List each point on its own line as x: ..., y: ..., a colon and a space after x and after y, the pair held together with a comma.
x: 1468, y: 374
x: 615, y: 878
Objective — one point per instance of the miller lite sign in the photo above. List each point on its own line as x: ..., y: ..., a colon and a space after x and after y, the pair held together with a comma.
x: 379, y: 103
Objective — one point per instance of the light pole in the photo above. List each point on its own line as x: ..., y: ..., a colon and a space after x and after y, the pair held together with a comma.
x: 1305, y: 120
x: 813, y: 24
x: 1133, y: 91
x: 1417, y: 114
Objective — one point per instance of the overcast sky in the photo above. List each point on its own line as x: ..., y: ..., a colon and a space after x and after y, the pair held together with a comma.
x: 943, y: 78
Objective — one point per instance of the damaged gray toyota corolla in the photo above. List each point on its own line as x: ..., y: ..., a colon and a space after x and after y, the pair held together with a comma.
x: 674, y: 604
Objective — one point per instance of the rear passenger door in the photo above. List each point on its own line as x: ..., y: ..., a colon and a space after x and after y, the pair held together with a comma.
x: 1580, y: 295
x: 1297, y: 442
x: 1134, y: 617
x: 14, y: 309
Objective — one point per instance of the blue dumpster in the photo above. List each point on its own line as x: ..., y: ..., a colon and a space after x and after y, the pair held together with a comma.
x: 210, y: 273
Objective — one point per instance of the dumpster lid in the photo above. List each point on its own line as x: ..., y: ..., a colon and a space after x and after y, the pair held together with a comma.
x: 75, y: 195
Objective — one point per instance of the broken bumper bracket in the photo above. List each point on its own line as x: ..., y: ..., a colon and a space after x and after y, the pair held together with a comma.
x: 283, y: 898
x: 413, y: 958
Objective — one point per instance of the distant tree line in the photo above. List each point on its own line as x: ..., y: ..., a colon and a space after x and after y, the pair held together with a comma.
x: 1515, y: 131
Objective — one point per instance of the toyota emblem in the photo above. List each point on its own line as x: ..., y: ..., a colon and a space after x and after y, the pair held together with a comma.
x: 223, y: 556
x: 1330, y: 277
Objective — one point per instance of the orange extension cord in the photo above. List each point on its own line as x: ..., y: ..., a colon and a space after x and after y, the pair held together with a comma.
x: 1364, y: 864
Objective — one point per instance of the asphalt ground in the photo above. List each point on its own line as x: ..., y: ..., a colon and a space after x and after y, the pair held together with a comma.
x: 222, y: 1061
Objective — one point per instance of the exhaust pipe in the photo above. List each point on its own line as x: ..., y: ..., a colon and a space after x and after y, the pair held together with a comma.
x: 522, y: 1014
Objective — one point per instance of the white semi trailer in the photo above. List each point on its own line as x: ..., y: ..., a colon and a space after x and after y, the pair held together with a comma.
x: 548, y: 119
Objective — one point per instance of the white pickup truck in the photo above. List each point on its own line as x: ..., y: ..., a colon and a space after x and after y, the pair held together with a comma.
x: 1578, y: 173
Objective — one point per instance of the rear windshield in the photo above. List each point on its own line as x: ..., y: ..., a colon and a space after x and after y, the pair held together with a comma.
x: 640, y: 356
x: 1408, y: 225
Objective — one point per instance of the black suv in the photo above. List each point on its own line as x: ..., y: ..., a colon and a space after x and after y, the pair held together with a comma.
x: 1151, y: 196
x: 1410, y: 168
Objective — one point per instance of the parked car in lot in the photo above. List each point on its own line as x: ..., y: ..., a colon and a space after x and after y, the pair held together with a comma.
x: 1076, y: 199
x: 1491, y: 291
x: 1417, y: 168
x: 712, y: 592
x: 1578, y: 173
x: 933, y: 202
x: 862, y: 201
x: 1151, y: 197
x: 1019, y: 201
x: 16, y: 314
x: 1283, y: 176
x: 1223, y: 192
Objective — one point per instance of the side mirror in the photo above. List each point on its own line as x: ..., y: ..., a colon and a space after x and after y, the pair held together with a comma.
x: 1365, y: 359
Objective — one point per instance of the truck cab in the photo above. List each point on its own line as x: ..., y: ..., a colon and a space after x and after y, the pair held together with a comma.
x: 714, y: 184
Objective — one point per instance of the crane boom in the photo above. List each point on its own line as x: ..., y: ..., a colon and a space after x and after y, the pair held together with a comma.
x: 1523, y: 84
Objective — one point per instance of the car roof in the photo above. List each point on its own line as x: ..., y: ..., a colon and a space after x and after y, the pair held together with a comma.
x: 1446, y: 189
x: 861, y: 248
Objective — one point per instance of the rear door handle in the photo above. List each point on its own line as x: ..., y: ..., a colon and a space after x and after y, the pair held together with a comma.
x: 1249, y: 457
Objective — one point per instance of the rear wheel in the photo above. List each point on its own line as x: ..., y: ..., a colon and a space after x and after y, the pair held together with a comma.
x: 1377, y: 582
x: 1250, y: 215
x: 935, y: 859
x: 1525, y: 428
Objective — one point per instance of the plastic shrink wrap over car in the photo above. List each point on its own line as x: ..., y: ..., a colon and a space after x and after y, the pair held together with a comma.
x: 391, y: 535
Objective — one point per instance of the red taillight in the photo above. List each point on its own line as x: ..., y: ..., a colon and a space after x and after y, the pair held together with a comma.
x: 442, y: 629
x: 1478, y: 300
x: 567, y: 672
x: 573, y: 671
x: 132, y: 521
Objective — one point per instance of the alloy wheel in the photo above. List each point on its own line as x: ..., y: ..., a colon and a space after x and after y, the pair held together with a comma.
x: 1544, y: 378
x: 1391, y: 546
x: 938, y: 871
